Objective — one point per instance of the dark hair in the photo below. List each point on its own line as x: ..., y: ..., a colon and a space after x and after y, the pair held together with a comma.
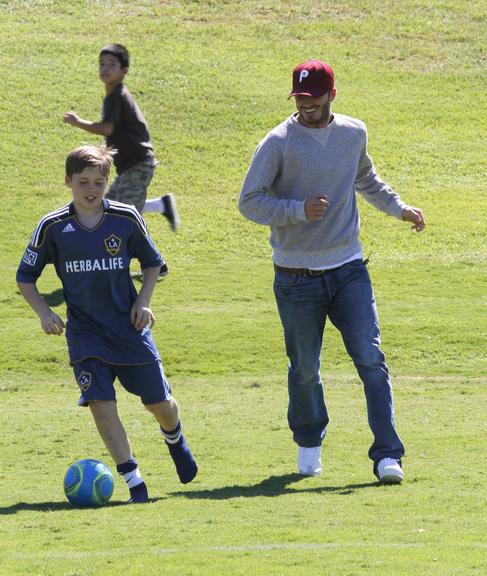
x: 119, y: 52
x: 88, y: 157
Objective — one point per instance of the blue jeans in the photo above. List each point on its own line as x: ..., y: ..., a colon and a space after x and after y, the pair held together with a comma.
x: 344, y: 295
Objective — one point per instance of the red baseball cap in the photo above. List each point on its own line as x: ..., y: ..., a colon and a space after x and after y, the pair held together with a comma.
x: 312, y: 78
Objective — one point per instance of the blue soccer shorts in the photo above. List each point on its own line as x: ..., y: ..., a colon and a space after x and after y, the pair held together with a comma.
x: 96, y: 378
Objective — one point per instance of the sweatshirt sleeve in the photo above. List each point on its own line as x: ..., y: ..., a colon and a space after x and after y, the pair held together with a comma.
x: 257, y: 200
x: 369, y: 185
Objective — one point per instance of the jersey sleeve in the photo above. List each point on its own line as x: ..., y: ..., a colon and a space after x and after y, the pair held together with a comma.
x: 34, y: 260
x: 142, y: 248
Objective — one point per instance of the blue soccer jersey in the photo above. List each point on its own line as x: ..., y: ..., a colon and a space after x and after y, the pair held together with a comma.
x: 93, y: 265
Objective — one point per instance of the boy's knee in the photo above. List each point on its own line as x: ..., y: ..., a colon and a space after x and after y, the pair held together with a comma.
x: 102, y: 407
x: 165, y: 412
x: 164, y: 407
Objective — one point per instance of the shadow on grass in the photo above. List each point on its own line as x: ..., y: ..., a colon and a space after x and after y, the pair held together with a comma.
x: 55, y: 298
x: 273, y: 486
x: 57, y: 506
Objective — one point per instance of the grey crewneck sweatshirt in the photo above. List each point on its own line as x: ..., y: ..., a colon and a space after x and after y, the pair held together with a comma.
x: 294, y: 163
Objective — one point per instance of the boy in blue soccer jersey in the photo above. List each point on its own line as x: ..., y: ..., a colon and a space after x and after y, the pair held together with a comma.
x: 91, y: 242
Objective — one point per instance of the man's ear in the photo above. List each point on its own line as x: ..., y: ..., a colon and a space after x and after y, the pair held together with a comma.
x: 67, y: 180
x: 333, y: 93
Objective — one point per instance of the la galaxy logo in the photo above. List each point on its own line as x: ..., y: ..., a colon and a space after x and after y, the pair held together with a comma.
x: 113, y: 244
x: 84, y: 381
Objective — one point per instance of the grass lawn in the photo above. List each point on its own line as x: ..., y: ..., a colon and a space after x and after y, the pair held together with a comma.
x: 247, y: 511
x: 212, y: 79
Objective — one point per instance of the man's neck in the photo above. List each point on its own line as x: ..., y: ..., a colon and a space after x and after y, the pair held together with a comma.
x: 323, y: 124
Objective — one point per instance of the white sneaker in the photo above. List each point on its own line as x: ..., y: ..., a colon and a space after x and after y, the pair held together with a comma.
x: 309, y: 461
x: 389, y: 471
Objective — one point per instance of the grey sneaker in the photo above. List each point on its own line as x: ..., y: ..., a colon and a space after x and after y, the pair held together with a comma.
x: 389, y: 471
x: 309, y: 461
x: 170, y: 211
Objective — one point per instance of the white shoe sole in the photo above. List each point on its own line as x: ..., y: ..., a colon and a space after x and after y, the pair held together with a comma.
x: 391, y: 479
x: 311, y: 473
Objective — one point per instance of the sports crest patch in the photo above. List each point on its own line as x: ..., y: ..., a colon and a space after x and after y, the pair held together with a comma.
x: 113, y: 244
x: 84, y: 381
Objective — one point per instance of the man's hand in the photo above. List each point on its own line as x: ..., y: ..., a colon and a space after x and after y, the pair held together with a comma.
x: 315, y: 208
x: 414, y: 215
x: 51, y: 323
x: 71, y: 118
x: 141, y: 316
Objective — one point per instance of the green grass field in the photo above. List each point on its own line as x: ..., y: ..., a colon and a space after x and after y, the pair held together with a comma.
x: 212, y: 79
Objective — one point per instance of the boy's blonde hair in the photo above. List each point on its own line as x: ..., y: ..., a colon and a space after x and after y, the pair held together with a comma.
x: 89, y: 156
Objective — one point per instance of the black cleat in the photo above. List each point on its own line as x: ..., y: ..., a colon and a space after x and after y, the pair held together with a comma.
x: 183, y: 459
x: 170, y: 211
x: 138, y: 494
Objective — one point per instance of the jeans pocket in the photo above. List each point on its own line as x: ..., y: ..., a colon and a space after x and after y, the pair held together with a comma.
x: 285, y: 284
x: 355, y: 263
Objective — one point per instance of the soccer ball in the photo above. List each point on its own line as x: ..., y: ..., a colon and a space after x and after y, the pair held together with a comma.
x: 88, y: 483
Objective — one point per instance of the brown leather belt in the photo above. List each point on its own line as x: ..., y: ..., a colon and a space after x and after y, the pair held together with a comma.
x: 299, y: 271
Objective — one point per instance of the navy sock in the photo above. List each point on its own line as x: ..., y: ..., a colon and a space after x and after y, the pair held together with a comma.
x: 138, y: 489
x: 183, y: 459
x: 173, y: 436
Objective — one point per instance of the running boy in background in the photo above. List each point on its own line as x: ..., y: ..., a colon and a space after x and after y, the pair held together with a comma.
x: 91, y: 242
x: 125, y: 130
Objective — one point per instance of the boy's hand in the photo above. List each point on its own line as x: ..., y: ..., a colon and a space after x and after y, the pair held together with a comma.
x: 71, y: 118
x: 141, y: 316
x: 51, y: 323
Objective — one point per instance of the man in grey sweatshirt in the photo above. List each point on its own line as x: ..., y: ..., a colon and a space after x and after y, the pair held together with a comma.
x: 302, y: 182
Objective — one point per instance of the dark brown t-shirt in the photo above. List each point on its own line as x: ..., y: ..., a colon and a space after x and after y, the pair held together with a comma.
x: 131, y: 134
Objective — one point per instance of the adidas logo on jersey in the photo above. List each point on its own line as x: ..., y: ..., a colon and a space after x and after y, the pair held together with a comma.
x: 69, y: 228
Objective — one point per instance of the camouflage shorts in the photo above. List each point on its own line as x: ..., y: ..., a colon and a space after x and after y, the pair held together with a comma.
x: 131, y: 186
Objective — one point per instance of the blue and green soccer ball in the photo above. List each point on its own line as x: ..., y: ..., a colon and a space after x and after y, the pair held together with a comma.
x: 88, y: 483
